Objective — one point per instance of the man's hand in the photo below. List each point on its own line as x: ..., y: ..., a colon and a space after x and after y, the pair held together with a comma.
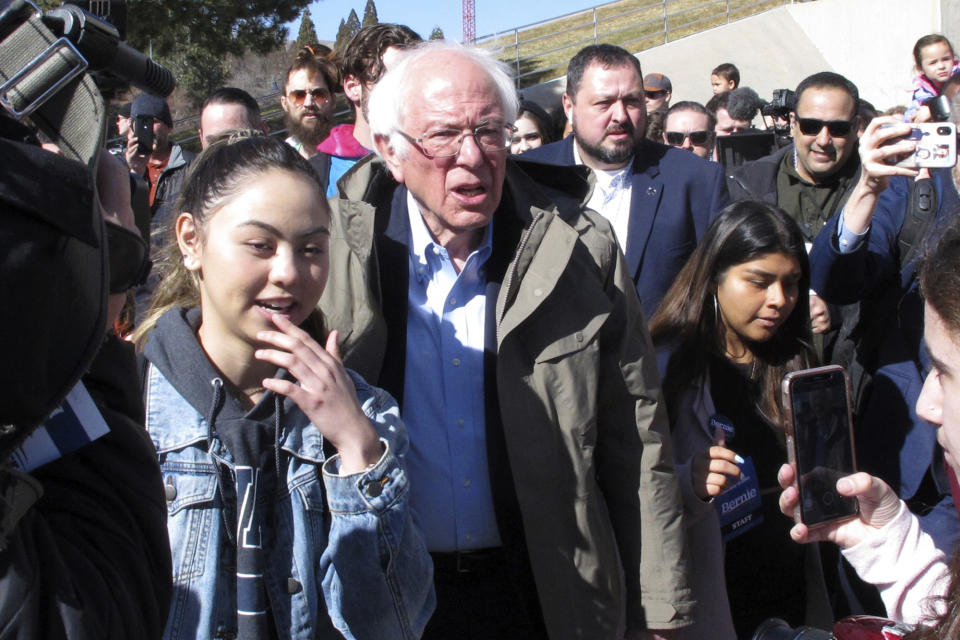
x: 819, y: 314
x: 136, y: 161
x: 875, y: 173
x: 878, y: 506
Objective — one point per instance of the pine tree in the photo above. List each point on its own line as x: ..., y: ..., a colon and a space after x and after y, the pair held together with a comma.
x: 370, y: 14
x: 216, y: 28
x: 308, y: 32
x: 437, y: 34
x: 343, y: 36
x: 353, y: 24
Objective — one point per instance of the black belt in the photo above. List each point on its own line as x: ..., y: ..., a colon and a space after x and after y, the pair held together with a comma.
x: 477, y: 561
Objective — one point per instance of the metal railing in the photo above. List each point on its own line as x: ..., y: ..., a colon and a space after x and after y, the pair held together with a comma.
x: 541, y: 50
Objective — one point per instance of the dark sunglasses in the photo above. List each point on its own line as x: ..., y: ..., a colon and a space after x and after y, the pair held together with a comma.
x: 653, y: 95
x: 319, y: 95
x: 836, y: 128
x: 698, y: 138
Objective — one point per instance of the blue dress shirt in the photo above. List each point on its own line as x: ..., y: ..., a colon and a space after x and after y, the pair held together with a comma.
x: 443, y: 400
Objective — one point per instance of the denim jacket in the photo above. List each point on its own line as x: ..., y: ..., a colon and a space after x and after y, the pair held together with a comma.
x: 343, y: 554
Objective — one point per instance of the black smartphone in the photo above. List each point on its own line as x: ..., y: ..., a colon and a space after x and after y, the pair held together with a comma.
x: 143, y: 130
x: 819, y: 429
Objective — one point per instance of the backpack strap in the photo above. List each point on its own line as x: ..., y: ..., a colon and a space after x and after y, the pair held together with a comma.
x: 921, y: 210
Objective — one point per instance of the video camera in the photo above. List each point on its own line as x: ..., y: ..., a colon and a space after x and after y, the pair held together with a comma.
x: 783, y: 103
x: 54, y: 264
x: 939, y: 108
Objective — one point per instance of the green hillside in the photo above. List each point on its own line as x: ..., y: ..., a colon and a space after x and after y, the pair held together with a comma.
x: 541, y: 51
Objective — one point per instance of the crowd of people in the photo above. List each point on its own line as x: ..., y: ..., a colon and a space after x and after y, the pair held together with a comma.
x: 472, y: 367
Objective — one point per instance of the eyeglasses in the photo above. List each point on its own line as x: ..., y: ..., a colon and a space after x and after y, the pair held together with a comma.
x: 836, y: 128
x: 319, y: 95
x: 655, y: 95
x: 446, y: 143
x: 697, y: 138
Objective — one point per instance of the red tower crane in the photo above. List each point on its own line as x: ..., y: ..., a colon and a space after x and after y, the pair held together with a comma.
x: 469, y: 22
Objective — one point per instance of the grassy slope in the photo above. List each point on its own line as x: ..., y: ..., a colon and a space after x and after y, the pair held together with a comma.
x: 633, y: 24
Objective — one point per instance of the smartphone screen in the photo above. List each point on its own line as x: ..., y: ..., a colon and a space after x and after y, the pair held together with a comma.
x: 143, y: 130
x: 822, y: 441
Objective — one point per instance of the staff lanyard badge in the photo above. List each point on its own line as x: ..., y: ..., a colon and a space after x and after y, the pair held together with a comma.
x: 738, y: 508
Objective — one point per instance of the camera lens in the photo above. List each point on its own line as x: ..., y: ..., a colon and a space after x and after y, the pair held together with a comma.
x: 943, y: 131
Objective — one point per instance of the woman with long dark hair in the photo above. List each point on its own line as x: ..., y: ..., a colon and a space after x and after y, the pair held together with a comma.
x: 735, y: 321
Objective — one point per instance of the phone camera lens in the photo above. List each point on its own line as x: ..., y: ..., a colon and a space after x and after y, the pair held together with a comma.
x: 943, y: 131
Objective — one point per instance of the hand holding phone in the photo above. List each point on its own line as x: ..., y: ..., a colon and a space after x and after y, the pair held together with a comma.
x: 820, y: 449
x: 878, y: 503
x: 143, y: 131
x: 936, y: 146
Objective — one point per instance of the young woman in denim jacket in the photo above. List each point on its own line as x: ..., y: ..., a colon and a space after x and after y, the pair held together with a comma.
x: 736, y: 320
x: 283, y: 471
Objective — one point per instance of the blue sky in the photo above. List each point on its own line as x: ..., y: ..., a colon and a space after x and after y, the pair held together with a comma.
x: 422, y: 16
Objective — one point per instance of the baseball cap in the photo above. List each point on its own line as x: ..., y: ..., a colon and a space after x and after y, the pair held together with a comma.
x: 148, y: 105
x: 657, y: 82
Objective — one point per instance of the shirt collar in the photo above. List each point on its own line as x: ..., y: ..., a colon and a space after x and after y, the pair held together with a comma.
x: 425, y: 251
x: 606, y: 180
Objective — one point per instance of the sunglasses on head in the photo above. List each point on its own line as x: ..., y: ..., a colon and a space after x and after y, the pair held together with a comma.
x: 697, y: 138
x: 298, y: 96
x: 836, y: 128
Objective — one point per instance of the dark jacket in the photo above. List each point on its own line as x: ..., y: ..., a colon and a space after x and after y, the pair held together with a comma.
x: 757, y: 179
x: 577, y: 435
x: 674, y: 197
x: 892, y: 442
x: 168, y: 190
x: 90, y: 559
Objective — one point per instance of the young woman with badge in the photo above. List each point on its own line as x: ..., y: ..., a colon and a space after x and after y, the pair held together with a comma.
x: 735, y: 321
x: 287, y: 499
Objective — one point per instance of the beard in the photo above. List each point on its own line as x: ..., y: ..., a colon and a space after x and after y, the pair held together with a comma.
x: 615, y: 152
x: 309, y: 134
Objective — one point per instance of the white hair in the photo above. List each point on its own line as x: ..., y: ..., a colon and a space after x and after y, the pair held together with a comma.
x: 388, y: 102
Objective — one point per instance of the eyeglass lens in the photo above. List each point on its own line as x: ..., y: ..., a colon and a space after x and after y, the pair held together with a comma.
x: 836, y: 128
x: 698, y: 138
x: 298, y: 96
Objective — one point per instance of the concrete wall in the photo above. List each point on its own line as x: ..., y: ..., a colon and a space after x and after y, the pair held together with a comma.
x: 950, y: 20
x: 869, y: 41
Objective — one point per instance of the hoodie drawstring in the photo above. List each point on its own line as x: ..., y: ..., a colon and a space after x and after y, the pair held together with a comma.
x: 215, y: 403
x: 278, y: 409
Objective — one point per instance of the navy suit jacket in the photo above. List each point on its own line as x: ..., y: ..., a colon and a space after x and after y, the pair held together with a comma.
x: 675, y: 196
x: 892, y: 441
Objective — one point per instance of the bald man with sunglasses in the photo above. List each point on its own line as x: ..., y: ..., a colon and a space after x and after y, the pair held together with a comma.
x: 812, y: 178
